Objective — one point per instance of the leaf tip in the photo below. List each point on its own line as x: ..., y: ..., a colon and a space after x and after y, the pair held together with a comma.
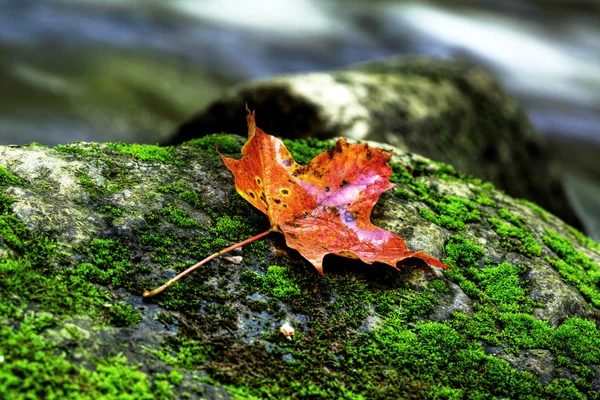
x: 320, y: 269
x: 250, y: 118
x: 432, y: 261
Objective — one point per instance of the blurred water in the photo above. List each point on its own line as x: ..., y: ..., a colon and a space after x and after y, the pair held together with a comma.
x: 134, y: 70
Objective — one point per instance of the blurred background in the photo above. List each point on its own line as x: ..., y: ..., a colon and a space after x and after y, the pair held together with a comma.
x: 133, y: 70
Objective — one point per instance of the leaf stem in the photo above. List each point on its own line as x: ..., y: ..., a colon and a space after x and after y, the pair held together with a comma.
x: 207, y: 259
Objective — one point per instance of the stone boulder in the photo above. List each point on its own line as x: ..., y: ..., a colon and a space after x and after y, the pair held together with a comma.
x: 85, y: 227
x: 452, y: 112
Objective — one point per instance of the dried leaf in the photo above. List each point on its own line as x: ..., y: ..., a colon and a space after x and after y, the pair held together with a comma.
x: 321, y: 208
x: 325, y: 206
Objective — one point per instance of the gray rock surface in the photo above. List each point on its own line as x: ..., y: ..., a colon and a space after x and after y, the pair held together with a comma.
x: 514, y: 317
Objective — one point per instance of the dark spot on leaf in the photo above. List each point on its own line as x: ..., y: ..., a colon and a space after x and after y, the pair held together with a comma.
x: 252, y: 195
x: 292, y: 235
x: 285, y: 191
x: 277, y: 201
x: 287, y: 162
x: 258, y: 181
x: 349, y: 217
x: 327, y: 188
x: 331, y: 152
x: 263, y: 198
x: 344, y: 183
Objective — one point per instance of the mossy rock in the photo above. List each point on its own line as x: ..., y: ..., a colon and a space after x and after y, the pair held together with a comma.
x: 85, y: 227
x: 449, y: 111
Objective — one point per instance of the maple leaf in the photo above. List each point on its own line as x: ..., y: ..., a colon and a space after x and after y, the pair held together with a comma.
x: 321, y: 208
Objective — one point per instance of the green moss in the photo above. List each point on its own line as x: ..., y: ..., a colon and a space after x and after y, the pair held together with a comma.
x: 279, y: 283
x: 8, y: 179
x: 109, y: 262
x: 191, y: 353
x: 449, y: 173
x: 439, y: 285
x: 178, y: 217
x: 226, y: 143
x: 405, y: 194
x: 304, y: 150
x: 234, y: 228
x: 583, y: 239
x: 111, y: 213
x: 175, y: 187
x: 434, y: 351
x: 36, y: 249
x: 80, y: 149
x: 361, y: 332
x: 436, y: 168
x: 156, y: 239
x: 545, y: 215
x: 484, y: 200
x: 461, y: 253
x: 35, y: 368
x: 463, y: 257
x: 579, y: 339
x: 122, y: 314
x: 502, y: 286
x: 574, y: 266
x: 276, y: 282
x: 498, y: 288
x: 515, y: 235
x: 401, y: 355
x: 450, y: 212
x: 115, y: 212
x: 523, y: 331
x: 94, y: 190
x: 257, y: 305
x: 146, y: 152
x: 190, y: 197
x: 563, y: 389
x: 5, y: 203
x: 251, y: 280
x: 161, y: 256
x: 29, y: 277
x: 175, y: 377
x: 482, y: 326
x: 165, y: 318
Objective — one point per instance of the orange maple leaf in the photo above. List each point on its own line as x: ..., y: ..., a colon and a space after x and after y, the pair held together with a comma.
x: 321, y: 208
